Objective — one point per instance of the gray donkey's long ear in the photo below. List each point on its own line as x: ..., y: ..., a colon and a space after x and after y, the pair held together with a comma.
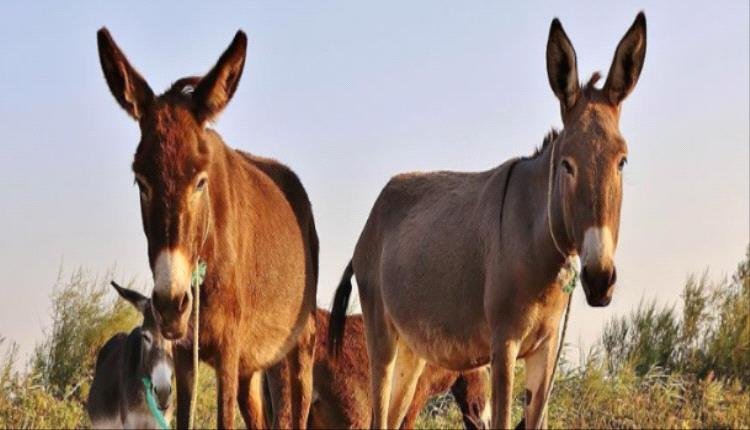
x: 138, y: 300
x: 562, y: 67
x: 628, y: 62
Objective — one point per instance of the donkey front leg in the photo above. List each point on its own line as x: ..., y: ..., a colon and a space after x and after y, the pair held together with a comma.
x: 503, y: 360
x: 227, y: 374
x: 184, y: 376
x: 539, y: 366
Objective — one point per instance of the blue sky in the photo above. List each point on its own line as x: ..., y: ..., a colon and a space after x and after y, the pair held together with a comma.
x: 349, y: 94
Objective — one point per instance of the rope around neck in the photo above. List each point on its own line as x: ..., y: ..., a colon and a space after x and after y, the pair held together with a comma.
x: 569, y: 271
x: 196, y: 280
x: 151, y: 403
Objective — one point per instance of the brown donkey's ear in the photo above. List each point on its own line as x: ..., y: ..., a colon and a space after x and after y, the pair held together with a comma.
x: 128, y: 87
x: 138, y: 300
x: 562, y: 68
x: 218, y: 86
x: 628, y: 62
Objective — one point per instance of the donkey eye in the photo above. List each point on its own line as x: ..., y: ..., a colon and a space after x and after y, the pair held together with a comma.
x: 146, y: 338
x: 201, y: 185
x: 622, y: 164
x: 568, y: 167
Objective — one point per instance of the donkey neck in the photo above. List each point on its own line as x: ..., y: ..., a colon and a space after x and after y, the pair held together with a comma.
x: 527, y: 210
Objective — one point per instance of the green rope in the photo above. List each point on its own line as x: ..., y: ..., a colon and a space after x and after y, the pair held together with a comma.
x: 151, y: 402
x: 199, y: 274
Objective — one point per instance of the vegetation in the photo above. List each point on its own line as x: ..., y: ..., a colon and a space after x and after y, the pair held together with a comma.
x: 659, y: 366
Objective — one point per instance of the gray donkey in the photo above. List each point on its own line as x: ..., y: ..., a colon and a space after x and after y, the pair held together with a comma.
x: 125, y: 366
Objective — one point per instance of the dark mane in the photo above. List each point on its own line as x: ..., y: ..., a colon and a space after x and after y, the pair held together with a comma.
x: 548, y: 138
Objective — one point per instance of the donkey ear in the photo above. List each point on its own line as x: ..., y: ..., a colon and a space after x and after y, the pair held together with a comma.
x: 628, y: 62
x: 134, y: 297
x: 562, y: 68
x: 129, y: 88
x: 218, y: 86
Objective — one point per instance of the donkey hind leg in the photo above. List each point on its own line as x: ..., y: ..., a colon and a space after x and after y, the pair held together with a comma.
x: 184, y: 376
x: 538, y: 372
x: 408, y: 369
x: 290, y: 382
x: 421, y: 394
x: 251, y: 401
x: 381, y: 349
x: 279, y: 378
x: 301, y: 361
x: 470, y: 393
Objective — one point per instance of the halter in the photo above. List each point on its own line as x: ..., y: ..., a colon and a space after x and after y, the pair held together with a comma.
x: 567, y: 277
x: 196, y: 280
x: 151, y: 403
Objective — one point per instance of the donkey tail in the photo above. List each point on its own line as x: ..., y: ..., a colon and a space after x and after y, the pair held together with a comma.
x: 337, y: 320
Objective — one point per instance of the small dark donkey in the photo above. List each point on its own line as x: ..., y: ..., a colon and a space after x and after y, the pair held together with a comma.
x: 117, y: 398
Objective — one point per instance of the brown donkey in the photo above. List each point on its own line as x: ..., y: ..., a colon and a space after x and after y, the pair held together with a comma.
x: 247, y: 218
x: 462, y: 269
x: 341, y: 384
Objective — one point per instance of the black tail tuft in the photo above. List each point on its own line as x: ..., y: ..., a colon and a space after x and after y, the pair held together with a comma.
x: 337, y: 320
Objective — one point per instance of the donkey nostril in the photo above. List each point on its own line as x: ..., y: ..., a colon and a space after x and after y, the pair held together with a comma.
x: 613, y: 277
x: 183, y: 303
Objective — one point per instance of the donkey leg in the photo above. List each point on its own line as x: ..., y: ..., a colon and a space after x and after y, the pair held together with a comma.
x: 381, y: 349
x: 421, y: 394
x: 251, y: 401
x: 407, y: 371
x: 538, y: 372
x: 184, y: 376
x: 279, y: 384
x: 301, y: 361
x: 470, y: 392
x: 503, y: 360
x: 227, y: 373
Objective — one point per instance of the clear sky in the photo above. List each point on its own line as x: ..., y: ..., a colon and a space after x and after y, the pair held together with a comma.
x: 349, y: 94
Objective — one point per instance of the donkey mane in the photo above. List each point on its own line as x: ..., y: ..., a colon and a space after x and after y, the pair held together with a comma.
x: 548, y: 138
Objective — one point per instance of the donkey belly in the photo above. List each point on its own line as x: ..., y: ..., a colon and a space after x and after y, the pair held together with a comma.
x: 449, y: 349
x: 436, y: 303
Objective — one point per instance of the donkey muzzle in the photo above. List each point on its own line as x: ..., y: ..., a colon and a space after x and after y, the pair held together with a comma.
x: 172, y: 313
x: 598, y: 285
x: 172, y: 298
